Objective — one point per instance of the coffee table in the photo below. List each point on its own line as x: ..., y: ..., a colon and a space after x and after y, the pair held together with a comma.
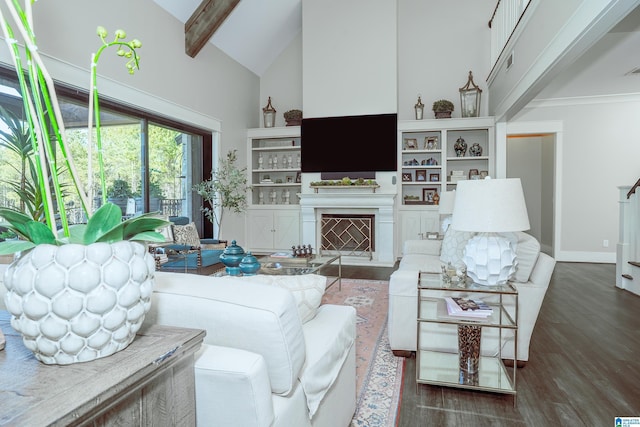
x: 303, y: 265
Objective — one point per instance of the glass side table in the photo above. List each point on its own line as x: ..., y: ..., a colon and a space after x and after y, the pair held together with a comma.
x: 469, y: 368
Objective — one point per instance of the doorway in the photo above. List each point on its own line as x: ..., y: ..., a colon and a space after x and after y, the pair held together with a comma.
x: 532, y: 158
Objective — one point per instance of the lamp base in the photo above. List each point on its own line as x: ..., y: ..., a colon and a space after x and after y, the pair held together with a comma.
x: 490, y: 259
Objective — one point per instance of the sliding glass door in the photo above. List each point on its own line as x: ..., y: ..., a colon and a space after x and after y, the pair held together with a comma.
x: 150, y: 164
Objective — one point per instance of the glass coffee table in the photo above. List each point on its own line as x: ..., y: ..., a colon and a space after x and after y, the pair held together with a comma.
x: 303, y: 265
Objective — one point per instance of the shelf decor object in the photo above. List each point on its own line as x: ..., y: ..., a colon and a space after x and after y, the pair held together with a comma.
x: 419, y: 107
x: 490, y: 207
x: 231, y: 257
x: 460, y: 147
x: 293, y: 117
x: 470, y: 98
x: 475, y: 150
x: 442, y: 109
x: 269, y: 114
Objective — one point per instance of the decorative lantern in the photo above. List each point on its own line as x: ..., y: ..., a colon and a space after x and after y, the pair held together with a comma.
x: 419, y: 108
x: 269, y: 115
x: 470, y: 98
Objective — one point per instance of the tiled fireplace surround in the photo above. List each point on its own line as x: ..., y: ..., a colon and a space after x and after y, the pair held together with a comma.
x: 352, y: 202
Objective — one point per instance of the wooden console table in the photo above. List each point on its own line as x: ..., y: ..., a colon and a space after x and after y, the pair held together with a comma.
x: 151, y: 382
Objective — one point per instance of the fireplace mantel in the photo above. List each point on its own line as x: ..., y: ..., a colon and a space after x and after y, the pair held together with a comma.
x: 381, y: 205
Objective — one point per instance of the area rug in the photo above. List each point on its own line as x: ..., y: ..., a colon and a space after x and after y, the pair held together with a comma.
x: 378, y: 371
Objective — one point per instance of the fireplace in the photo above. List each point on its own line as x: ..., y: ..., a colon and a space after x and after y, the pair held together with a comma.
x: 350, y: 235
x: 350, y: 211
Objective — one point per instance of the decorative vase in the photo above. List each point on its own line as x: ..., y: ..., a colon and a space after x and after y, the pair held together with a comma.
x: 293, y: 122
x: 469, y: 347
x: 249, y: 265
x: 475, y: 150
x: 76, y: 303
x: 442, y: 114
x: 231, y: 258
x: 460, y: 147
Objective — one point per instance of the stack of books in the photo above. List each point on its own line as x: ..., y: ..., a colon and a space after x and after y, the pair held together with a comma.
x: 465, y: 307
x: 457, y: 176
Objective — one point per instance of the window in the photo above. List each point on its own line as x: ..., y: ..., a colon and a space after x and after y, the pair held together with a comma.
x: 150, y: 162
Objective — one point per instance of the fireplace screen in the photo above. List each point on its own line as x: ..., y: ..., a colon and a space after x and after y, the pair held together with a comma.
x: 351, y: 235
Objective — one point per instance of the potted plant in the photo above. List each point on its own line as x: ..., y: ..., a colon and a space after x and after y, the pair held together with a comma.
x: 155, y: 196
x: 226, y: 189
x: 443, y: 109
x: 118, y: 193
x: 95, y: 277
x: 293, y: 117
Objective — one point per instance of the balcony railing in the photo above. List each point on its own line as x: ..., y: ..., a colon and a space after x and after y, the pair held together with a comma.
x: 503, y: 23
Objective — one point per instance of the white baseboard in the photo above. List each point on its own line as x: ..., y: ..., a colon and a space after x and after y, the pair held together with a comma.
x: 575, y: 256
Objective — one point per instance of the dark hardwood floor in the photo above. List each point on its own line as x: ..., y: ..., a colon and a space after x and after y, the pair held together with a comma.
x: 583, y: 369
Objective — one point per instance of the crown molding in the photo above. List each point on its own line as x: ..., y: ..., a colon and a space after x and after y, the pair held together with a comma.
x: 583, y: 100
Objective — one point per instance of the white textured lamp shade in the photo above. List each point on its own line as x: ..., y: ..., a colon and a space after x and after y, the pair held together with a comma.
x: 490, y: 206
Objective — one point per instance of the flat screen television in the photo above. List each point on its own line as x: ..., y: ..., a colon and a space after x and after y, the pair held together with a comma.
x: 349, y: 144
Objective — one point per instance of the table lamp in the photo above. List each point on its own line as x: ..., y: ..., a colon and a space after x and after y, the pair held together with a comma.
x: 446, y: 208
x: 489, y: 207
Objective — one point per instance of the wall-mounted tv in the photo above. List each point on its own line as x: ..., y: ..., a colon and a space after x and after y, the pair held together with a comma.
x: 348, y: 144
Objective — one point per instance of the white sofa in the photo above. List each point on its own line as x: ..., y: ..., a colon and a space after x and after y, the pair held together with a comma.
x: 272, y: 355
x: 532, y: 278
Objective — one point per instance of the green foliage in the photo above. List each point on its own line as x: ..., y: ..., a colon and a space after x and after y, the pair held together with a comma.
x: 345, y: 182
x: 119, y: 188
x: 226, y: 189
x: 43, y: 129
x: 293, y: 114
x: 105, y: 225
x: 442, y: 105
x: 17, y: 139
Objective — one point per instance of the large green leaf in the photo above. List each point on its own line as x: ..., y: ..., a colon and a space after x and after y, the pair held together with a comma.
x: 12, y: 246
x: 149, y: 236
x: 102, y: 222
x: 76, y: 233
x: 16, y: 221
x: 39, y: 233
x: 143, y: 223
x: 116, y: 234
x: 137, y: 228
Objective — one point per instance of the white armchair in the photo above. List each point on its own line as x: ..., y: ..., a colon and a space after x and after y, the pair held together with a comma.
x: 260, y: 365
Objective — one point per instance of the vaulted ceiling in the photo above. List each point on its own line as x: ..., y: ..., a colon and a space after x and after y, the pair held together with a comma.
x: 254, y: 32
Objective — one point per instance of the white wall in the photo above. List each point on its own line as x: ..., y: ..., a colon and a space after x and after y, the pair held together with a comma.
x: 208, y: 89
x: 524, y: 161
x: 531, y: 158
x: 439, y: 42
x: 433, y: 57
x: 282, y: 81
x: 548, y: 193
x: 599, y: 153
x: 349, y: 57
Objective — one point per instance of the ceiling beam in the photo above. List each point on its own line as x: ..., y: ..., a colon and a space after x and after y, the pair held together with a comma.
x: 204, y: 22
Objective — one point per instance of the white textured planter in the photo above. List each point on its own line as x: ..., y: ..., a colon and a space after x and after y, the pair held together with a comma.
x: 77, y: 303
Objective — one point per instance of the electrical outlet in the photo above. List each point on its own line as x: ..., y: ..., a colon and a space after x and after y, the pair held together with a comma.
x: 605, y: 243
